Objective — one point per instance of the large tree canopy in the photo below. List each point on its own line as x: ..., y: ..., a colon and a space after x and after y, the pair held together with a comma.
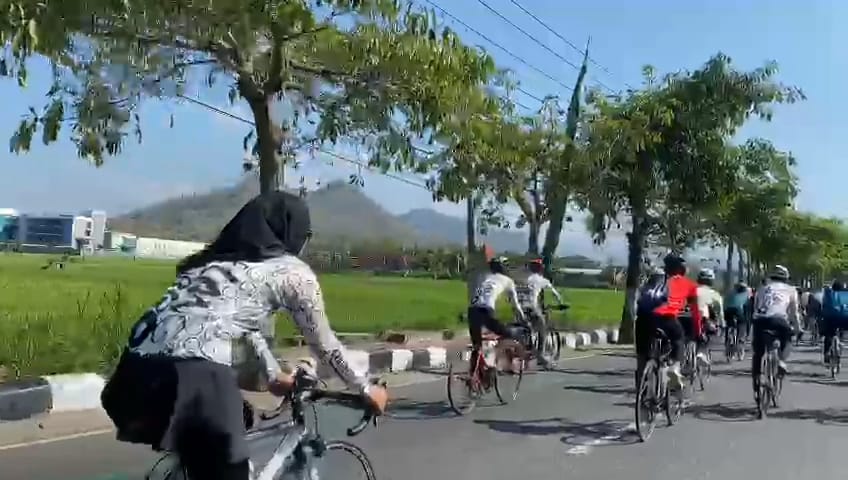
x: 371, y: 69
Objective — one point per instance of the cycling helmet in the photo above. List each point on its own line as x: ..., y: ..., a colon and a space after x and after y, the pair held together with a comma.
x: 706, y: 274
x: 536, y: 265
x: 498, y: 264
x: 779, y: 273
x: 838, y: 286
x: 674, y: 264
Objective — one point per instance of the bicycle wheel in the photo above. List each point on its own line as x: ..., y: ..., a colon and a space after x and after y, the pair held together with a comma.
x: 763, y: 389
x: 673, y: 401
x: 703, y: 372
x: 776, y: 380
x: 341, y: 460
x: 730, y: 344
x: 550, y: 345
x: 833, y: 357
x: 459, y: 384
x: 646, y: 400
x: 507, y: 384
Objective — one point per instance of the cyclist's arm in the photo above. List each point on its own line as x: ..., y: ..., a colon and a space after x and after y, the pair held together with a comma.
x: 550, y: 286
x: 304, y: 301
x: 272, y: 367
x: 512, y: 295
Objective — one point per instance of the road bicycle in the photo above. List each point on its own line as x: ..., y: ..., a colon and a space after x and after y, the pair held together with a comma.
x: 483, y: 378
x: 548, y: 342
x: 301, y: 450
x: 769, y: 383
x: 833, y: 356
x: 653, y: 393
x: 733, y: 348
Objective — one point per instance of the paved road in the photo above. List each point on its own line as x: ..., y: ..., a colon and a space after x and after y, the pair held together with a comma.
x: 574, y: 423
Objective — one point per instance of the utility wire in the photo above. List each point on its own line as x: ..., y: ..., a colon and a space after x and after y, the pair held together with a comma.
x: 501, y: 47
x: 558, y: 35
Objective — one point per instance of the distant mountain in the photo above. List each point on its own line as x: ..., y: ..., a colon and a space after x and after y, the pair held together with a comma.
x: 339, y: 212
x: 430, y: 222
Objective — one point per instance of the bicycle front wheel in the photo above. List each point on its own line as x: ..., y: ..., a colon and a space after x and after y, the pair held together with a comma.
x: 646, y: 400
x: 507, y: 384
x: 341, y: 460
x: 463, y: 390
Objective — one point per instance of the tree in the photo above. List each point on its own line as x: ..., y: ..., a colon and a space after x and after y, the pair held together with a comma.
x: 665, y: 144
x: 373, y: 70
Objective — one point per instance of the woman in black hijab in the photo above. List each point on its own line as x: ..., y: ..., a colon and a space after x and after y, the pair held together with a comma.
x: 174, y: 387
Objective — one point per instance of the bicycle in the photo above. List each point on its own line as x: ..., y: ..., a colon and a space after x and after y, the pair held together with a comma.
x: 769, y: 383
x: 692, y: 369
x: 548, y: 342
x: 653, y: 393
x: 485, y: 378
x: 300, y: 451
x: 733, y: 348
x: 834, y: 355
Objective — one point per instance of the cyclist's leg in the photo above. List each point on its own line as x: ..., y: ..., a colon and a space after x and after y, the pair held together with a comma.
x: 207, y: 430
x: 674, y: 331
x: 730, y: 315
x: 785, y: 332
x: 475, y: 331
x: 644, y: 335
x: 758, y: 346
x: 537, y: 319
x: 828, y: 331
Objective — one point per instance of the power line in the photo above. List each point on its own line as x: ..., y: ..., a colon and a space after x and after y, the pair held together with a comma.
x: 558, y: 35
x: 498, y: 45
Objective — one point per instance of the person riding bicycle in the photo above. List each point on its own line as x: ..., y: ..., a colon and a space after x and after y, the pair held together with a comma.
x: 834, y: 312
x: 775, y: 309
x: 481, y: 311
x: 735, y: 311
x: 529, y: 291
x: 175, y: 386
x: 711, y: 306
x: 659, y: 308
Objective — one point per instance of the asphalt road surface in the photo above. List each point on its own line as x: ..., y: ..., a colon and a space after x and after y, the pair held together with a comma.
x: 572, y: 423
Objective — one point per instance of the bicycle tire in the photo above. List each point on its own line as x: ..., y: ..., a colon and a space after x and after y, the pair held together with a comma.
x: 556, y: 343
x: 358, y: 453
x: 776, y: 380
x: 472, y: 387
x: 674, y: 400
x: 833, y: 357
x: 643, y: 395
x: 730, y: 344
x: 496, y: 380
x: 763, y: 390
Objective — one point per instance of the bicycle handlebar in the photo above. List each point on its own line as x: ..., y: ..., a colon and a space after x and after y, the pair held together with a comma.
x: 306, y: 390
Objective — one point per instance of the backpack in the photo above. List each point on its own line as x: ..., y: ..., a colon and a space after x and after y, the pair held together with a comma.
x: 836, y: 305
x: 651, y: 297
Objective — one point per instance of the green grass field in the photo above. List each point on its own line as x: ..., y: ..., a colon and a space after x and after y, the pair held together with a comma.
x: 76, y: 319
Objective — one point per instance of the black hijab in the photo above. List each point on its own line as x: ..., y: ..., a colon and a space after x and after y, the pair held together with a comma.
x: 270, y: 225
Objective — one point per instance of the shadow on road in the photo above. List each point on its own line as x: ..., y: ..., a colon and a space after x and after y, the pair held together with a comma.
x: 609, y: 432
x: 826, y: 416
x: 405, y: 409
x: 724, y: 412
x: 599, y: 373
x: 605, y: 389
x: 824, y: 380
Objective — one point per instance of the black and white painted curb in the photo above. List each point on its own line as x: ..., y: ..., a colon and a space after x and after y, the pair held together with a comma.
x: 81, y: 391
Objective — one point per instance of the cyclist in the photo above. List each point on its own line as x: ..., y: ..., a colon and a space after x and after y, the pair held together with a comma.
x: 481, y: 312
x: 175, y: 387
x: 735, y: 310
x: 529, y: 291
x: 834, y: 312
x: 660, y: 308
x: 711, y: 306
x: 776, y: 309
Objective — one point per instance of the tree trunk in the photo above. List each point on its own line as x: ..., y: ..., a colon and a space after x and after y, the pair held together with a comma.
x: 635, y: 248
x: 741, y: 265
x: 556, y: 220
x: 533, y: 239
x: 268, y: 146
x: 728, y: 274
x: 471, y: 261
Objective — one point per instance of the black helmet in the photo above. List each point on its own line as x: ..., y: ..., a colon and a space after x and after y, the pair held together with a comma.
x: 498, y: 264
x: 674, y: 263
x: 838, y: 286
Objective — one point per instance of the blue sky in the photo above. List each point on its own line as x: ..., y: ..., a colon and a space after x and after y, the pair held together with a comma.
x: 203, y: 149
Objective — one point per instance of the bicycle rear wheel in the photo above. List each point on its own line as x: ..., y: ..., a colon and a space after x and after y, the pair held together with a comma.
x: 764, y: 387
x: 342, y: 460
x: 646, y: 400
x: 550, y: 345
x: 507, y: 384
x: 730, y: 344
x: 461, y: 383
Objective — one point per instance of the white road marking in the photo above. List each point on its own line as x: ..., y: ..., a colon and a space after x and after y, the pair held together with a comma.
x: 62, y: 438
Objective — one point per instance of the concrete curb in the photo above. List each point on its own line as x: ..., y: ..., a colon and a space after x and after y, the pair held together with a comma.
x: 25, y: 398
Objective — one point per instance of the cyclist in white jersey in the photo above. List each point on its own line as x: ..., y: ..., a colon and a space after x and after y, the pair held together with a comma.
x: 481, y: 312
x: 775, y: 309
x: 529, y: 292
x: 711, y: 306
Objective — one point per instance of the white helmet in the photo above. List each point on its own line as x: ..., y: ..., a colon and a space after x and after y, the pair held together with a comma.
x: 780, y: 273
x: 706, y: 274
